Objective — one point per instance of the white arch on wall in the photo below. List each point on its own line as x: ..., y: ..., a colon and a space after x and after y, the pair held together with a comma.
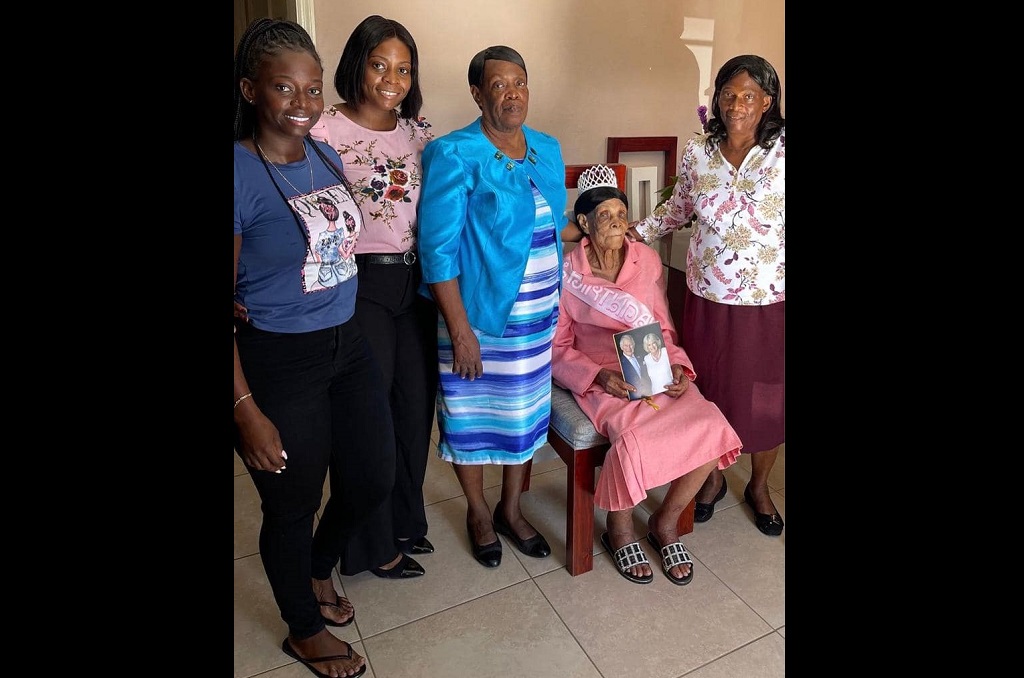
x: 699, y: 37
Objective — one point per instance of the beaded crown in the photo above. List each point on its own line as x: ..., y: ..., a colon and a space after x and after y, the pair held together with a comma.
x: 596, y: 176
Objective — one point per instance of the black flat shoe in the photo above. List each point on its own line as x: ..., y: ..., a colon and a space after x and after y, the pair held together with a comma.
x: 415, y: 548
x: 769, y: 523
x: 488, y: 555
x: 535, y: 547
x: 406, y: 568
x: 702, y: 512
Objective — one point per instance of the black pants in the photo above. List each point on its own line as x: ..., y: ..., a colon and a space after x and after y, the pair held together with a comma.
x: 323, y: 392
x: 401, y: 328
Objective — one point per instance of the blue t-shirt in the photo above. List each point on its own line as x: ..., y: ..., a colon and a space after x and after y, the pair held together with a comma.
x: 291, y: 278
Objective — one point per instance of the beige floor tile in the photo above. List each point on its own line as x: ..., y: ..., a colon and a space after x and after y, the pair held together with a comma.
x: 440, y: 483
x: 511, y: 632
x: 668, y: 629
x: 258, y: 626
x: 546, y: 459
x: 750, y: 563
x: 777, y: 477
x: 736, y: 478
x: 452, y: 577
x: 764, y: 658
x: 248, y: 517
x: 544, y: 506
x: 532, y: 616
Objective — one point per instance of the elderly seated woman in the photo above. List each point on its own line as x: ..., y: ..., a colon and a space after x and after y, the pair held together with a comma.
x: 676, y: 437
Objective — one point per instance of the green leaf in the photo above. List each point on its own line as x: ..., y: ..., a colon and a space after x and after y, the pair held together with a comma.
x: 666, y: 193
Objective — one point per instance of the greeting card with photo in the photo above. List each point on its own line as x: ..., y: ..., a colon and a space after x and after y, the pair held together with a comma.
x: 643, y: 359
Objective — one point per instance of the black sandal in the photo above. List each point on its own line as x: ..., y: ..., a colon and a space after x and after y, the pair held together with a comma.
x: 671, y: 555
x: 286, y: 646
x: 626, y: 557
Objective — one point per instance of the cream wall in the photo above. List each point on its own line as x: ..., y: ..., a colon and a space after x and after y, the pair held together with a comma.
x: 597, y: 68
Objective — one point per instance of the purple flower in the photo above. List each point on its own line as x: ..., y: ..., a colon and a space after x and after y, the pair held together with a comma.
x: 702, y: 113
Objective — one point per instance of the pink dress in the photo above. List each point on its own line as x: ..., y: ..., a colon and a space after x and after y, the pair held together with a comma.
x: 649, y: 447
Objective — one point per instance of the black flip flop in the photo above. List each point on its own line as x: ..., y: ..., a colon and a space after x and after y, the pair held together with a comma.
x: 287, y: 648
x: 331, y: 622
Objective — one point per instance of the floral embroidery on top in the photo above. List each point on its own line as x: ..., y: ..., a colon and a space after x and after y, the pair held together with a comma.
x: 380, y: 181
x: 738, y: 245
x: 387, y: 183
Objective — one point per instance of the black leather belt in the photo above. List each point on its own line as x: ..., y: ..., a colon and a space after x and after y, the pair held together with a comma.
x: 407, y: 258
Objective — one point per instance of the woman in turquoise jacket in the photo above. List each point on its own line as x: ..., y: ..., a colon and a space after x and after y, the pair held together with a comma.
x: 490, y: 213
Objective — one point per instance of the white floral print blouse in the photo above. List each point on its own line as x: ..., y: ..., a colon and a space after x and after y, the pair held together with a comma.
x: 737, y: 252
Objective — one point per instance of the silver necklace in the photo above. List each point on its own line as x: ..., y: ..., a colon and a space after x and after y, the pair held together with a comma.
x: 309, y: 198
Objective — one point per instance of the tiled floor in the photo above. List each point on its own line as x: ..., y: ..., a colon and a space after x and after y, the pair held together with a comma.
x: 529, y: 617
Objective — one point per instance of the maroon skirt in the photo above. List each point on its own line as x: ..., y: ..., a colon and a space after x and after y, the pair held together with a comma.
x: 739, y: 355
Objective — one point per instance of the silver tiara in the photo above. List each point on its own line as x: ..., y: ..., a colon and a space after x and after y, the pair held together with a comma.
x: 595, y: 177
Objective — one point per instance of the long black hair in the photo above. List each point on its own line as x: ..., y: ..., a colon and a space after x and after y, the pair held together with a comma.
x: 349, y: 76
x: 761, y: 72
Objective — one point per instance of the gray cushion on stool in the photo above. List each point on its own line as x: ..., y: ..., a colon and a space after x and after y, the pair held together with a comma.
x: 569, y: 421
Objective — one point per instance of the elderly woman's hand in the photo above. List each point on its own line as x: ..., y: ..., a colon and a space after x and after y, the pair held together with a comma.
x: 679, y: 384
x: 467, y: 362
x: 613, y: 383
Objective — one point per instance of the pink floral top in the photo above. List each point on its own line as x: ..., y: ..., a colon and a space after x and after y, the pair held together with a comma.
x: 384, y: 169
x: 737, y: 252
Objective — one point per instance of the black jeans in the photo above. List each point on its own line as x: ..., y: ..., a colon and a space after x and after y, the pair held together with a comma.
x: 401, y: 328
x: 323, y: 391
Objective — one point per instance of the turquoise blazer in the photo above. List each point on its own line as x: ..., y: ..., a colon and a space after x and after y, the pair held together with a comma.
x: 476, y: 217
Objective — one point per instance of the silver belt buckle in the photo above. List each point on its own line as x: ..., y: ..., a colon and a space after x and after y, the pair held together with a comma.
x: 409, y: 257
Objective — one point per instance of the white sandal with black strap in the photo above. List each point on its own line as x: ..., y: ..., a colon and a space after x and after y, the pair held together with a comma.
x: 627, y: 557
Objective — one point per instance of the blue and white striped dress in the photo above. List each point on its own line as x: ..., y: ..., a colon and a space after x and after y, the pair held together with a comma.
x: 502, y: 417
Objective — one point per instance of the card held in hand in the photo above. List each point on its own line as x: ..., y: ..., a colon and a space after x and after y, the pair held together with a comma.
x: 643, y: 359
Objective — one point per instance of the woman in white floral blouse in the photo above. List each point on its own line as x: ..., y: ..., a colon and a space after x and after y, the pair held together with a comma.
x: 380, y: 135
x: 732, y: 186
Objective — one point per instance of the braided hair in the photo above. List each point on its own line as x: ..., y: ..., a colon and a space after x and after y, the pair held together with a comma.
x: 761, y: 72
x: 263, y: 39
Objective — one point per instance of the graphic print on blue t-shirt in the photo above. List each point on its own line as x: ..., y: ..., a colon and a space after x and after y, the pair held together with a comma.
x: 330, y: 260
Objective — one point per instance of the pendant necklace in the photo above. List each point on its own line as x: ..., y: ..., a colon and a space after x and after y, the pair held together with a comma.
x: 309, y: 198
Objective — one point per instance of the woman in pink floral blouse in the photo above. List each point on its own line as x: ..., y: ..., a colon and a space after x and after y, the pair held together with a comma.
x: 379, y: 134
x: 732, y: 186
